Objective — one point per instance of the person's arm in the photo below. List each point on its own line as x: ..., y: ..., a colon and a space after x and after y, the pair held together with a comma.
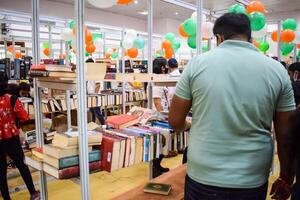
x: 177, y: 116
x: 157, y: 104
x: 20, y: 112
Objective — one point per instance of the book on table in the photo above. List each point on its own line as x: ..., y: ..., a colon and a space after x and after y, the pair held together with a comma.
x: 158, y: 188
x: 70, y: 172
x: 70, y: 161
x: 122, y: 121
x: 58, y: 153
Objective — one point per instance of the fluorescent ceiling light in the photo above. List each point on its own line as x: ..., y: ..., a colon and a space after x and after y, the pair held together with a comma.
x: 176, y: 13
x: 143, y: 13
x: 136, y: 2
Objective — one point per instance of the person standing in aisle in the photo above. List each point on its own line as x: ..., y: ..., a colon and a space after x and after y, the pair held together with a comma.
x: 294, y: 72
x: 94, y: 87
x: 235, y: 93
x: 10, y: 144
x: 173, y: 72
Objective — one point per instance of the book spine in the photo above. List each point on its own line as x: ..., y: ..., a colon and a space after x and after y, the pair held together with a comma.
x: 74, y: 160
x: 72, y: 172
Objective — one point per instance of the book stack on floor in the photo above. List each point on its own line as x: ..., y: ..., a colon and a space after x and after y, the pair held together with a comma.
x: 61, y: 158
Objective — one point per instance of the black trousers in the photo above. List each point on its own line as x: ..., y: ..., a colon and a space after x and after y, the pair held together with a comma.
x: 12, y: 148
x: 198, y: 191
x: 97, y: 114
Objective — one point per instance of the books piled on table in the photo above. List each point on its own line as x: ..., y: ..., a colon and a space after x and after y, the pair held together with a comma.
x: 61, y: 158
x: 52, y: 71
x: 122, y: 121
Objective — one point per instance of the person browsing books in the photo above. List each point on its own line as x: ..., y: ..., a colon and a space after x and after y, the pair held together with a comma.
x: 94, y: 87
x: 10, y: 144
x: 235, y: 92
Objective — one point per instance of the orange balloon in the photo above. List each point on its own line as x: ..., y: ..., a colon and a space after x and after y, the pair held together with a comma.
x: 47, y: 52
x: 10, y: 48
x: 90, y: 48
x: 298, y: 46
x: 287, y: 36
x: 166, y: 44
x: 274, y: 36
x: 133, y: 52
x: 124, y: 1
x: 88, y: 36
x: 169, y: 53
x: 18, y: 55
x: 255, y: 43
x: 256, y: 6
x: 107, y: 55
x: 181, y: 31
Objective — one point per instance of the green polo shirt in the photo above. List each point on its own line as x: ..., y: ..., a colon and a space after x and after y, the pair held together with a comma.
x: 235, y: 91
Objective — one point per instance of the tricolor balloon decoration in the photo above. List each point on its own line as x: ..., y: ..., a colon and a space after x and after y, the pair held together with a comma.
x: 46, y: 49
x: 109, y: 3
x: 112, y: 53
x: 188, y: 29
x: 132, y: 42
x: 289, y: 36
x: 169, y: 46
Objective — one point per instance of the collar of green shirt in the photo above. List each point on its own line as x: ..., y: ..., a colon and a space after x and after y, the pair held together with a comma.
x: 230, y: 43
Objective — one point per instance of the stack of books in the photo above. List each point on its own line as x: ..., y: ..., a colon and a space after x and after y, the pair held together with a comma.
x: 61, y: 158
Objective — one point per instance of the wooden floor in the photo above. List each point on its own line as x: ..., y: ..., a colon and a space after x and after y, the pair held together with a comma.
x: 103, y: 185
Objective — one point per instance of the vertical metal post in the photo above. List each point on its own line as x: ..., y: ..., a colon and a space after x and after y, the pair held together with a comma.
x: 199, y: 26
x: 5, y: 48
x: 295, y: 54
x: 82, y: 101
x: 278, y: 41
x: 50, y: 41
x: 123, y: 83
x: 104, y: 45
x: 67, y: 49
x: 37, y: 91
x: 150, y: 64
x: 69, y: 116
x: 13, y: 45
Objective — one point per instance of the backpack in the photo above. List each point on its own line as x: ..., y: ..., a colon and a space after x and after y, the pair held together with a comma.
x: 13, y: 100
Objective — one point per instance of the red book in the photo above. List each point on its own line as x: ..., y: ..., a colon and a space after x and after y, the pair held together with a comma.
x: 38, y: 67
x: 110, y: 149
x: 122, y: 121
x: 70, y: 172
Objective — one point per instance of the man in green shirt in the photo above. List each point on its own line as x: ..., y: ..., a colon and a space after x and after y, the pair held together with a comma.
x: 235, y: 93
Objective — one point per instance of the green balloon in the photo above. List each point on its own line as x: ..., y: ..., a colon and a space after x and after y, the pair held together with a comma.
x: 205, y: 48
x: 289, y: 24
x: 192, y: 42
x: 46, y: 45
x: 176, y: 44
x: 264, y: 46
x: 286, y: 48
x: 237, y: 9
x: 114, y: 55
x: 97, y: 35
x: 72, y: 24
x: 139, y: 42
x: 170, y: 37
x: 87, y: 54
x: 190, y: 27
x: 258, y: 21
x: 69, y: 42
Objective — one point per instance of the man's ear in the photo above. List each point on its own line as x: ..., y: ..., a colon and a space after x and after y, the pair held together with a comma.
x: 296, y: 73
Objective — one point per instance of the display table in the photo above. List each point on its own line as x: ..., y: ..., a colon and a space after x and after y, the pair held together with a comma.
x: 175, y: 177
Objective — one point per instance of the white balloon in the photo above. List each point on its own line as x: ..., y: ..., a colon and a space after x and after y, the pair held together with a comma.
x: 194, y: 17
x: 207, y: 30
x: 297, y: 38
x: 127, y: 43
x: 99, y: 43
x: 261, y: 33
x: 102, y: 3
x: 67, y: 34
x: 131, y: 34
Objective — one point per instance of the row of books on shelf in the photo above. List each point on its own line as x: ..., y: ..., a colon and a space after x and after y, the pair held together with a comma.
x: 96, y: 100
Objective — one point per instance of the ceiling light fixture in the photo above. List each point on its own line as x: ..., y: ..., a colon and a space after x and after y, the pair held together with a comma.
x: 136, y: 2
x: 143, y: 13
x: 176, y: 13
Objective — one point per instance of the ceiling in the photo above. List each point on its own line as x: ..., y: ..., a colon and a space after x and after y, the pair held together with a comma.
x: 167, y: 10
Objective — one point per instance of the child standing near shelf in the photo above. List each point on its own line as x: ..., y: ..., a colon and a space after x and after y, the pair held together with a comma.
x: 10, y: 142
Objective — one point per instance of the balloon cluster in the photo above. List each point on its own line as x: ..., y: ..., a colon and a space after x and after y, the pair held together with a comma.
x: 255, y: 11
x: 289, y: 36
x: 188, y: 29
x: 46, y: 49
x: 112, y: 53
x: 108, y: 3
x: 169, y: 46
x: 93, y: 41
x: 17, y: 55
x: 132, y: 43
